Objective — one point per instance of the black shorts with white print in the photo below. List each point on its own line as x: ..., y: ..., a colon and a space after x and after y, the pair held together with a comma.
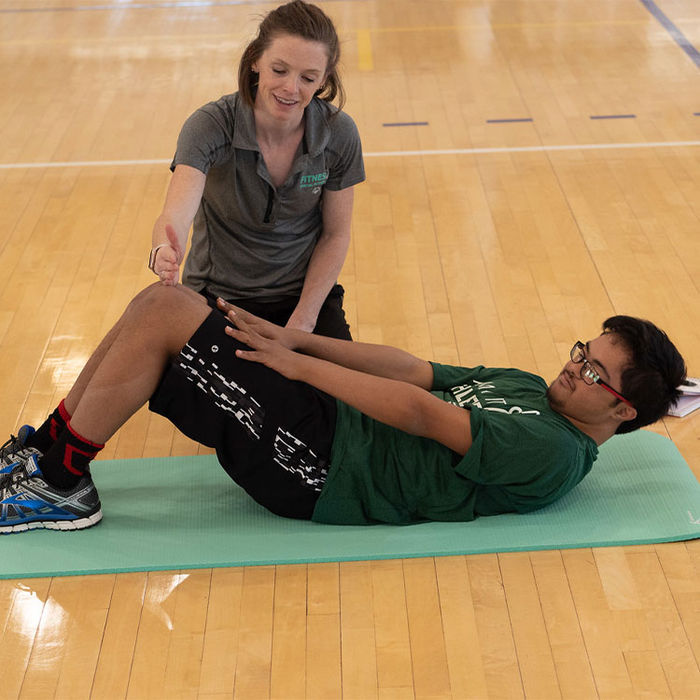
x: 272, y: 435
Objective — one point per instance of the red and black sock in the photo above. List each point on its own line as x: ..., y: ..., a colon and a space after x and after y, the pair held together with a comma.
x: 50, y: 430
x: 68, y: 459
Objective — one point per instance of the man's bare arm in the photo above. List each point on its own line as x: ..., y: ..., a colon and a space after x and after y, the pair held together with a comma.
x: 378, y: 360
x: 402, y: 405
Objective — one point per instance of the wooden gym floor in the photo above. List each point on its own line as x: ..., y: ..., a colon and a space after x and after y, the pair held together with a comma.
x: 532, y: 167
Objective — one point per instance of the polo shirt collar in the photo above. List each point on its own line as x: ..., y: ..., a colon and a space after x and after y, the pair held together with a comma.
x: 316, y: 133
x: 244, y: 131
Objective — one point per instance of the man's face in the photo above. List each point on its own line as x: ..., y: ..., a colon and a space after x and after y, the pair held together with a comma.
x: 569, y: 395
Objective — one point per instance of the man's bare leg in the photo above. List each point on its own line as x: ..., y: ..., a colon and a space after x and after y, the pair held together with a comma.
x: 126, y: 367
x: 51, y: 487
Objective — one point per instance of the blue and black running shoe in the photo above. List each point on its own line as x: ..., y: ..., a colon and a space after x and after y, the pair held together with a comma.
x: 27, y: 502
x: 15, y: 451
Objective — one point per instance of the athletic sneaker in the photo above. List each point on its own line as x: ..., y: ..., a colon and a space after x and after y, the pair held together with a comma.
x: 14, y: 452
x: 27, y: 502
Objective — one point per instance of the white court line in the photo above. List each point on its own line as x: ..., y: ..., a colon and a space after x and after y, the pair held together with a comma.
x: 84, y: 163
x: 534, y: 149
x: 382, y: 154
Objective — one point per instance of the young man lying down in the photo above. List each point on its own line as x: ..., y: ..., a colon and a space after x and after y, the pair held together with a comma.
x: 336, y: 431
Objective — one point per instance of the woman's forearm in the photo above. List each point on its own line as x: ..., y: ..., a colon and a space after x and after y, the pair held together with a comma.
x: 327, y: 259
x: 181, y: 203
x: 322, y: 273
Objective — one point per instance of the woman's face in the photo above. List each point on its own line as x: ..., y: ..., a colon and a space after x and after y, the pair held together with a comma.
x: 290, y: 71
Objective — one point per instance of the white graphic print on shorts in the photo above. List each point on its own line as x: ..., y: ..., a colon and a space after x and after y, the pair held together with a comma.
x: 228, y: 396
x: 294, y: 456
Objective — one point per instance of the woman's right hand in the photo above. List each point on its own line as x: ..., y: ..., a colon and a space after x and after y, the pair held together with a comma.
x: 168, y: 259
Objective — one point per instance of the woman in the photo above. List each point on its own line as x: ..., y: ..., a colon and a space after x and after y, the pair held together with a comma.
x: 267, y: 176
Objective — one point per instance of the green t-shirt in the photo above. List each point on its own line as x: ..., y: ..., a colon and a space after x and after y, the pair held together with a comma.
x: 523, y: 456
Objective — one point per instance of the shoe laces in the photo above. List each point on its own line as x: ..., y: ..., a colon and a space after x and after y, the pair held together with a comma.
x: 19, y: 473
x: 10, y: 447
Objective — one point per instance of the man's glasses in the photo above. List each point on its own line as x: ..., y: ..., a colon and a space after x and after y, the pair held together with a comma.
x: 588, y: 371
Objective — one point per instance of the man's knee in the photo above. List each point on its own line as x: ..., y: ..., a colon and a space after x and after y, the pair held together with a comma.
x: 166, y: 304
x: 155, y: 295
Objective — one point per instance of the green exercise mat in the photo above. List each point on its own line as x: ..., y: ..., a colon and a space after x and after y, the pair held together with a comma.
x: 185, y: 513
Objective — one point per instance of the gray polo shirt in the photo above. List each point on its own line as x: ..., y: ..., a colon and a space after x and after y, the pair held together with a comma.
x: 250, y: 238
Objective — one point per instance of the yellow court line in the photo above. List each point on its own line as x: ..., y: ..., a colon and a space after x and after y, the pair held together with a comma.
x: 364, y: 50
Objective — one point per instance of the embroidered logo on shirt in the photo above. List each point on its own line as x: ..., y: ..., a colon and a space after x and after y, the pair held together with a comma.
x: 313, y: 180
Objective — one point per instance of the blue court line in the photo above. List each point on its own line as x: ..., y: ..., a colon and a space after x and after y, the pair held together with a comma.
x: 508, y: 121
x: 676, y: 34
x: 613, y: 116
x: 405, y: 124
x: 141, y: 6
